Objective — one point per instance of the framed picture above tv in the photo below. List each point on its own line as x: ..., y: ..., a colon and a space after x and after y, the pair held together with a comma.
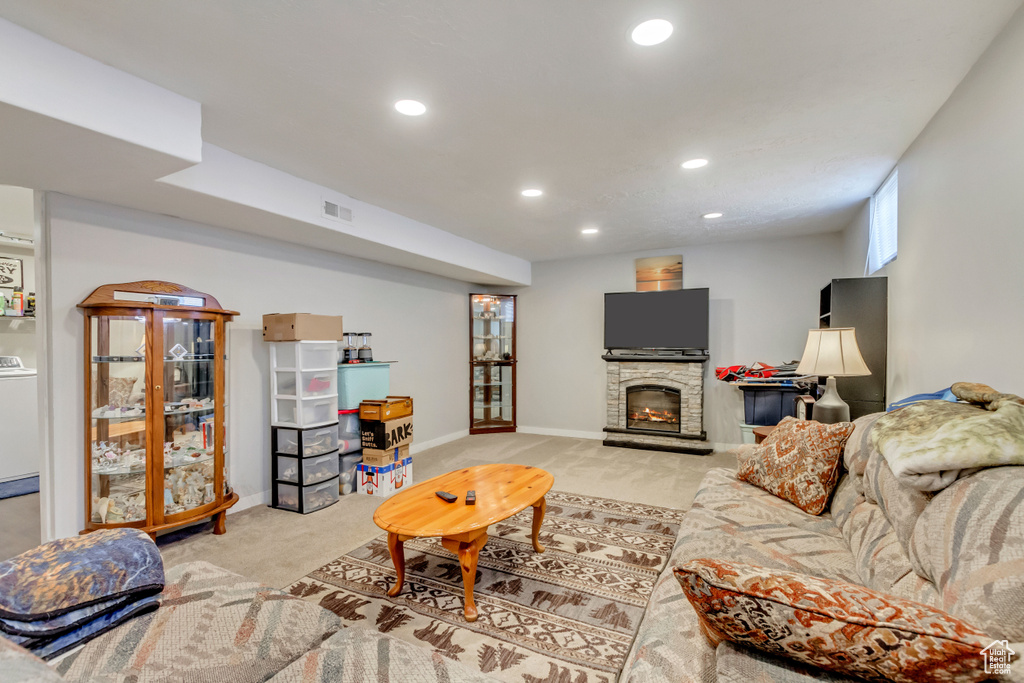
x: 659, y: 273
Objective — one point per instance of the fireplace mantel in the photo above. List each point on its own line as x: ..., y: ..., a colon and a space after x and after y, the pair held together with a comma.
x: 655, y: 359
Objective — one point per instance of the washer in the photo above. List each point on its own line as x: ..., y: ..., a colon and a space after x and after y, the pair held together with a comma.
x: 19, y: 424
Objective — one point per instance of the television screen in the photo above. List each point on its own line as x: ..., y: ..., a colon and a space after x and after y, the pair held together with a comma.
x: 675, y: 319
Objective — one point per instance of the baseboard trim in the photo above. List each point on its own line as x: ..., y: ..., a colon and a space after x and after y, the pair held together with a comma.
x: 251, y: 501
x: 447, y: 438
x: 571, y: 433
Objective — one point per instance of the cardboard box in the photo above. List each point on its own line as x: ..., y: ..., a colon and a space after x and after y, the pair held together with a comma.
x: 279, y: 327
x: 383, y: 481
x: 390, y: 408
x: 384, y: 436
x: 372, y: 456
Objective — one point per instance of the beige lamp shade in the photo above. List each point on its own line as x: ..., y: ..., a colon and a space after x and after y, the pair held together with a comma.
x: 832, y: 353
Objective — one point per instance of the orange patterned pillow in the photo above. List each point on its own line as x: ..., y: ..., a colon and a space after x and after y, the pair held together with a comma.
x: 833, y: 625
x: 798, y: 462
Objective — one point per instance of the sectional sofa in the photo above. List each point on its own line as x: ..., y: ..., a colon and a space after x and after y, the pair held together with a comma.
x: 961, y: 549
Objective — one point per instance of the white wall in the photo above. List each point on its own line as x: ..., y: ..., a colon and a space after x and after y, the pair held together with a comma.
x: 18, y: 337
x: 956, y: 290
x: 418, y: 320
x: 764, y: 298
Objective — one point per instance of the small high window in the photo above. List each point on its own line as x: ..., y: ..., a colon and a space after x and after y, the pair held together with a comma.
x: 882, y: 243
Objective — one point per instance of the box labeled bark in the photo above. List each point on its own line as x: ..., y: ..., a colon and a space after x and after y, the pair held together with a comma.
x: 383, y: 436
x: 372, y: 456
x: 391, y: 408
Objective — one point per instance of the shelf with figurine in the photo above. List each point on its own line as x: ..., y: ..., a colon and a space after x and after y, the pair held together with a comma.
x: 165, y: 345
x: 113, y: 411
x: 492, y: 339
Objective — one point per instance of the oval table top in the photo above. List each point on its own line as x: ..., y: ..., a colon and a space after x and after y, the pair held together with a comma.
x: 501, y: 491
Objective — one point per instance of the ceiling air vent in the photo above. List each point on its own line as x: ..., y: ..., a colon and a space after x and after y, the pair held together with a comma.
x: 336, y: 212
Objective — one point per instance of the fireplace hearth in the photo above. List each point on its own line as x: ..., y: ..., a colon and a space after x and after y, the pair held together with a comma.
x: 656, y: 403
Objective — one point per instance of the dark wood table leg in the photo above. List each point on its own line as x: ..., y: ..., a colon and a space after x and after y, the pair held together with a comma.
x: 469, y: 555
x: 539, y: 508
x: 396, y: 546
x: 219, y: 525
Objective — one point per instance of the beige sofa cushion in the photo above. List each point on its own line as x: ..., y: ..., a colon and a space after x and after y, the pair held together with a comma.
x: 970, y: 543
x: 858, y: 446
x: 213, y: 626
x: 18, y: 665
x: 739, y: 664
x: 881, y: 560
x: 965, y: 543
x: 900, y: 504
x: 734, y: 520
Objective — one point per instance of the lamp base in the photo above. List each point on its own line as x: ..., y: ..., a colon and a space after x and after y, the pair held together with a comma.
x: 830, y: 409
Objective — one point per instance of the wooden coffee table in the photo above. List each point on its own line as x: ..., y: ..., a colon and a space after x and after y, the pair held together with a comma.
x: 501, y: 491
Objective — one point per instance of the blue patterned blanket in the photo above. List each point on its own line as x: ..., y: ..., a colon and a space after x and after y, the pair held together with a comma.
x: 63, y: 593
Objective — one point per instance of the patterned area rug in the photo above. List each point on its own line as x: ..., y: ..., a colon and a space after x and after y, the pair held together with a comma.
x: 567, y: 615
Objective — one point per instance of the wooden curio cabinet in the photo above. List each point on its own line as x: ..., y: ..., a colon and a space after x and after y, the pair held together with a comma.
x: 492, y: 363
x: 155, y: 407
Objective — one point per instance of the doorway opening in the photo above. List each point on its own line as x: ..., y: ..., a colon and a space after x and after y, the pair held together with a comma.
x: 21, y: 454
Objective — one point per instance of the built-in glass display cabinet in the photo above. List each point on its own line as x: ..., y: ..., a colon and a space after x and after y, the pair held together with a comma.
x: 155, y: 407
x: 492, y: 359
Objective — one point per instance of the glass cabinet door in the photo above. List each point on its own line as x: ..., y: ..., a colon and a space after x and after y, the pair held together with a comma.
x: 190, y: 368
x: 117, y: 418
x: 492, y: 395
x: 493, y: 327
x: 492, y: 359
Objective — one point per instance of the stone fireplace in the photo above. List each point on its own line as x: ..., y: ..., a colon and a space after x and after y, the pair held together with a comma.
x: 657, y: 403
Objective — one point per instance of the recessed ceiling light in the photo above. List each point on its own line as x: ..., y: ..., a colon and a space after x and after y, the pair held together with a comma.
x: 532, y: 192
x: 589, y: 231
x: 695, y: 163
x: 713, y: 214
x: 652, y: 32
x: 410, y: 107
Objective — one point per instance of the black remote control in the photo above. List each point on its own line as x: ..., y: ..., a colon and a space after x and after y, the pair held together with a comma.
x: 446, y: 497
x: 470, y: 497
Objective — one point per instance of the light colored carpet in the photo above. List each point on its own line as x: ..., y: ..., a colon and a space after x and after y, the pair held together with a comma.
x: 277, y: 547
x: 570, y: 612
x: 19, y: 525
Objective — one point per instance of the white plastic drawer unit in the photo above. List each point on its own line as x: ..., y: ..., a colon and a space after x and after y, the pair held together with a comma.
x: 304, y: 412
x: 348, y: 424
x: 311, y: 441
x: 307, y: 471
x: 306, y: 499
x: 304, y: 355
x: 305, y: 383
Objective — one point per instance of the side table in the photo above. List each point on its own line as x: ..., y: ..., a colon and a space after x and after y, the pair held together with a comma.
x: 761, y: 433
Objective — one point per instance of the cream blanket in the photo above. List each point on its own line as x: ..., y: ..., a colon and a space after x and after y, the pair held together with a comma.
x: 928, y: 445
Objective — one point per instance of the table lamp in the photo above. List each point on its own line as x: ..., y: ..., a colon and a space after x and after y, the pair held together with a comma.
x: 832, y: 353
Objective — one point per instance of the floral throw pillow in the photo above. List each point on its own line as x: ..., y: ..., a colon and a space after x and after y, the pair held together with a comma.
x: 798, y: 462
x: 833, y: 625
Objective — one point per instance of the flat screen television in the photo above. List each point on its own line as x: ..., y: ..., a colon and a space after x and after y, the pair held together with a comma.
x: 676, y: 319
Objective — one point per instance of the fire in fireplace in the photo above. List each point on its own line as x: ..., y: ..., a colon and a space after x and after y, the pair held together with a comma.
x: 652, y: 408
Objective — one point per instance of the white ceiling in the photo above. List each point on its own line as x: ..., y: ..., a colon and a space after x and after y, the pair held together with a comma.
x: 802, y: 107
